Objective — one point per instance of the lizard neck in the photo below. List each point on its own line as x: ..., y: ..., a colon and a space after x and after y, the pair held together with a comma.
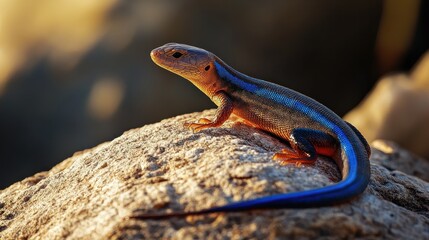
x: 233, y: 78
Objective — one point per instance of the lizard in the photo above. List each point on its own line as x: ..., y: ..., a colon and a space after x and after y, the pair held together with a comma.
x: 310, y: 128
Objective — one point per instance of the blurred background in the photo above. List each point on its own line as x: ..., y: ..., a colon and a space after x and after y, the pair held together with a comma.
x: 74, y: 74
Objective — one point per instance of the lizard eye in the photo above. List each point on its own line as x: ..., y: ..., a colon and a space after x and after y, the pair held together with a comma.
x: 207, y: 68
x: 177, y: 54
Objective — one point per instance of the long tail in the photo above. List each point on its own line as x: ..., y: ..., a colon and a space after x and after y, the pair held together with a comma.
x: 341, y: 192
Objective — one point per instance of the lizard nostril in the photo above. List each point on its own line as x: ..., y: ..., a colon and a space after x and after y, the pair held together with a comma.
x: 177, y: 54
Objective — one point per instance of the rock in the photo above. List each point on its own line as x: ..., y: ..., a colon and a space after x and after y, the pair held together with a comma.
x: 164, y: 167
x: 398, y: 110
x: 393, y: 157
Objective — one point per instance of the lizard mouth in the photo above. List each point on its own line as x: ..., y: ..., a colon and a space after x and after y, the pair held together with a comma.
x: 157, y: 56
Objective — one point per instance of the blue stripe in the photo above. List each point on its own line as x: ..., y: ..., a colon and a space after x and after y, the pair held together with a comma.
x: 227, y: 76
x: 294, y: 104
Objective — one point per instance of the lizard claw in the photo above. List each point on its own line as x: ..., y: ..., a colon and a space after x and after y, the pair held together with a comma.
x: 204, y: 120
x: 202, y: 123
x: 196, y: 127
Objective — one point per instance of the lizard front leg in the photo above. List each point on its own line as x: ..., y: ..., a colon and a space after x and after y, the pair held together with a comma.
x: 222, y: 113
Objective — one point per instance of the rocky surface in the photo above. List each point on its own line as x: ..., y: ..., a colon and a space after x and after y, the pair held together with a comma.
x: 398, y: 109
x: 393, y: 157
x: 164, y: 167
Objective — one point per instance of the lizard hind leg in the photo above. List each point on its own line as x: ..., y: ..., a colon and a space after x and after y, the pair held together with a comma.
x: 306, y: 144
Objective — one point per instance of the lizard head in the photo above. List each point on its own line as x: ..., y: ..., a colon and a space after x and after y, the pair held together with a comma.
x: 192, y: 63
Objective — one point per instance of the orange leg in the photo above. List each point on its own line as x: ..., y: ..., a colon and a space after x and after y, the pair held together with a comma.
x: 200, y: 125
x: 306, y: 144
x: 287, y: 156
x: 222, y: 114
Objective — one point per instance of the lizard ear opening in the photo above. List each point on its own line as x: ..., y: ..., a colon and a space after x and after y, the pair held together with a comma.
x: 207, y: 67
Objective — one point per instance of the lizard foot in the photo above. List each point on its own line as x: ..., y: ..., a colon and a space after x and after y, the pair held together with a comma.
x: 202, y: 123
x: 287, y: 156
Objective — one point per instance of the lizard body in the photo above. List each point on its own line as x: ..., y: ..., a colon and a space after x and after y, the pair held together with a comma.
x: 311, y: 128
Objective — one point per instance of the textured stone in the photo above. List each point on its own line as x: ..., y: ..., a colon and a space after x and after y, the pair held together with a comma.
x: 393, y: 157
x: 164, y: 167
x: 397, y: 109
